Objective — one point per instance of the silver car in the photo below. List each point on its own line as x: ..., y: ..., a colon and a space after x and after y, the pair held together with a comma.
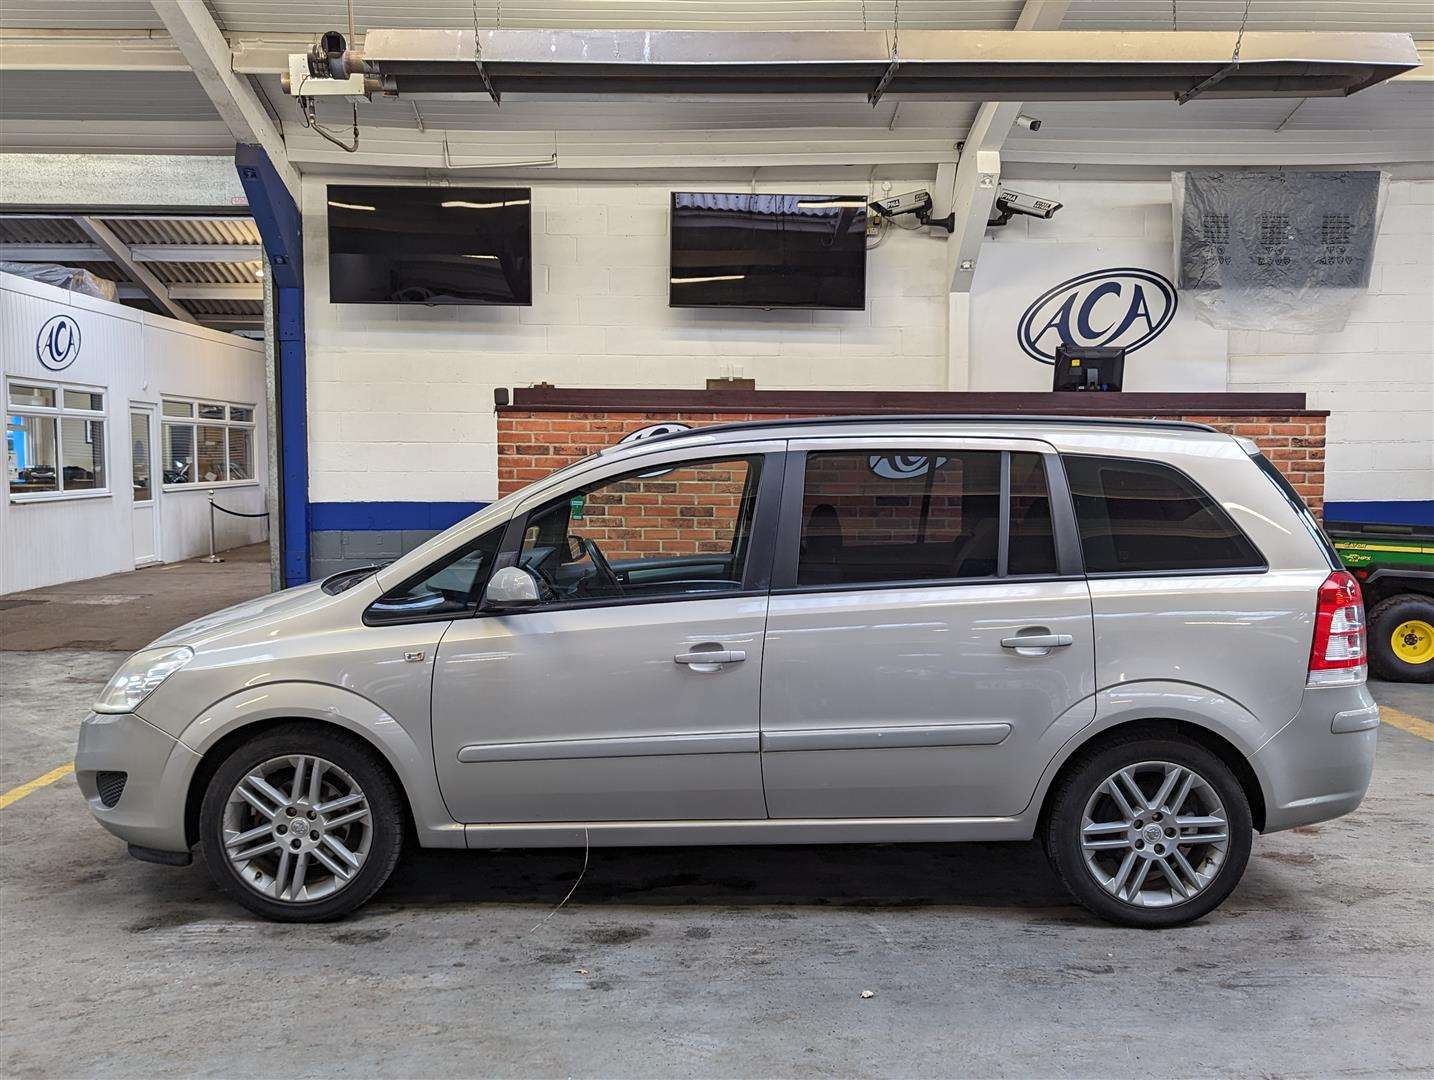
x: 1129, y: 639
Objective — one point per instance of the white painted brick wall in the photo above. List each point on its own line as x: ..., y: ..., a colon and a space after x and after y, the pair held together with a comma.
x: 401, y: 398
x: 1376, y: 377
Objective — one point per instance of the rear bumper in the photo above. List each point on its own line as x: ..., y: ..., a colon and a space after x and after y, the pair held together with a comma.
x: 1319, y: 765
x: 150, y: 811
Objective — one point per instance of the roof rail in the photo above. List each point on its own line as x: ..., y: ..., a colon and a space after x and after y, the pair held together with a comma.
x: 920, y: 418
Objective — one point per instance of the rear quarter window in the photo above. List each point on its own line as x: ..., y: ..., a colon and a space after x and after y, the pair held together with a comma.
x: 1146, y: 517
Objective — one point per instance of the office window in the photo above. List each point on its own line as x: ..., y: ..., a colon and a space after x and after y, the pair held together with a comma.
x: 54, y: 439
x: 1141, y: 516
x: 207, y: 442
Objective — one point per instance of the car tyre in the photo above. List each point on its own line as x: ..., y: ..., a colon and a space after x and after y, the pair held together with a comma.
x: 1410, y: 617
x: 344, y: 755
x: 1064, y: 831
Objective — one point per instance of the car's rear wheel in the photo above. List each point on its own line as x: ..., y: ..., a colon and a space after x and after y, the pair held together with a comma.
x: 1149, y: 832
x: 301, y: 824
x: 1401, y: 638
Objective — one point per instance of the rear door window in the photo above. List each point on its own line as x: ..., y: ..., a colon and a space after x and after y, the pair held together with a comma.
x: 872, y: 516
x: 1146, y: 517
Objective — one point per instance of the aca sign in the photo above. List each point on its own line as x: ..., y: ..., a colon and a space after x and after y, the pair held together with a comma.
x: 1028, y: 297
x: 1124, y: 305
x: 58, y: 342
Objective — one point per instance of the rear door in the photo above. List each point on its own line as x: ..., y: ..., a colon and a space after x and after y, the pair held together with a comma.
x: 929, y: 637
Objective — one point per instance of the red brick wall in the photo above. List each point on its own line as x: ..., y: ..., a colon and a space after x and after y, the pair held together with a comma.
x: 533, y: 443
x: 686, y: 511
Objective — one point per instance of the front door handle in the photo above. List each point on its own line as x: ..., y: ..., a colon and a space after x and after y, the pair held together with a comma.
x: 1037, y: 644
x: 711, y: 658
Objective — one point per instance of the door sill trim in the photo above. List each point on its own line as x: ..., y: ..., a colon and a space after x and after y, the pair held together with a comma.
x: 768, y: 831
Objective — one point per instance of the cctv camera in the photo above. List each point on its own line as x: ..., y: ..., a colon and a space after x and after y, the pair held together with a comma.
x: 913, y: 202
x: 1009, y: 203
x: 1030, y: 123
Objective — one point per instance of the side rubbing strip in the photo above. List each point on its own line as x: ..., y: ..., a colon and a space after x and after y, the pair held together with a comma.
x: 738, y: 742
x: 884, y: 738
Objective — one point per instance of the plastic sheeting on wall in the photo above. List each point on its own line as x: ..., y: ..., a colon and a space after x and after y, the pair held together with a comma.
x: 1285, y: 250
x: 66, y: 277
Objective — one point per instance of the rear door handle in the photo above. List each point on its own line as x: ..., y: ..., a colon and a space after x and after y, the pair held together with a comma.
x: 713, y: 657
x: 1045, y: 642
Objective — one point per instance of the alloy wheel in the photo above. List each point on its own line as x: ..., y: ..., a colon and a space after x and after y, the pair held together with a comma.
x: 297, y: 828
x: 1154, y: 834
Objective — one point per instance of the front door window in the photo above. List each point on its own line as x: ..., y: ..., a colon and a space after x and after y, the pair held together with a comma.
x: 682, y: 530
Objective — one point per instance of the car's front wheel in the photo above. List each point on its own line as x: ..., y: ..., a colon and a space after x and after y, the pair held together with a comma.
x: 1149, y: 832
x: 301, y: 824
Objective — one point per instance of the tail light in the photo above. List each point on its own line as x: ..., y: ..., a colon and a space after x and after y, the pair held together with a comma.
x: 1337, y: 655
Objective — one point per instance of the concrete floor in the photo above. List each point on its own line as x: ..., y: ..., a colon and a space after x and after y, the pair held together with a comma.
x: 717, y: 961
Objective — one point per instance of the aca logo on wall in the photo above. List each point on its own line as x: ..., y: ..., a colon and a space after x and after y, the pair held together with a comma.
x: 1122, y: 305
x: 58, y: 343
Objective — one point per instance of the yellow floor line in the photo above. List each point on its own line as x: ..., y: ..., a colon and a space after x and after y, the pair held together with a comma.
x: 1404, y: 722
x: 15, y: 794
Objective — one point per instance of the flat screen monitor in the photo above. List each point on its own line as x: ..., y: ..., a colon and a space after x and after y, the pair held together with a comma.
x: 430, y: 245
x: 767, y: 251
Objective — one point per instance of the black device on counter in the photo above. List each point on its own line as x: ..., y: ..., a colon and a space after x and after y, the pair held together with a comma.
x: 1088, y: 367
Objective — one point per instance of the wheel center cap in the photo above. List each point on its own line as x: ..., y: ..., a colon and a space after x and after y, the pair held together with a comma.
x: 299, y: 827
x: 1152, y: 834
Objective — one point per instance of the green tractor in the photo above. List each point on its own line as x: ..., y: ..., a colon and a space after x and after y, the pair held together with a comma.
x: 1395, y: 568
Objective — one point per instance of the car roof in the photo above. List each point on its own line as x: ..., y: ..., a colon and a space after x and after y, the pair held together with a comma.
x: 1082, y: 429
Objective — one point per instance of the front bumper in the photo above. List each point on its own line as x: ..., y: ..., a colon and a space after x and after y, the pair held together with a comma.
x: 150, y: 810
x: 1319, y: 765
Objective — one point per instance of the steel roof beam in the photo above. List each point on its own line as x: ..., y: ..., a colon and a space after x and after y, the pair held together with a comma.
x: 970, y: 189
x: 207, y: 50
x: 141, y: 253
x: 118, y: 252
x: 198, y: 292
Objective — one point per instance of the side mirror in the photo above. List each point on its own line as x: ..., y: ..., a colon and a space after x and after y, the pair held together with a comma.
x: 511, y: 589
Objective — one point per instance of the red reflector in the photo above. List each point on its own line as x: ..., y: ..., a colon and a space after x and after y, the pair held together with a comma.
x: 1337, y: 653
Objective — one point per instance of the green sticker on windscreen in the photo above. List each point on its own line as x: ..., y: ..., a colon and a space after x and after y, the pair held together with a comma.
x: 575, y: 507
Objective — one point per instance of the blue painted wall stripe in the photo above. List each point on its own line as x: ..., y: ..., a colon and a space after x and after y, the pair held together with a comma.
x: 1388, y: 512
x: 365, y: 516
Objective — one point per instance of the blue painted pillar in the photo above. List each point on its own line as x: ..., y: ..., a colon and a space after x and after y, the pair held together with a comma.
x: 281, y: 227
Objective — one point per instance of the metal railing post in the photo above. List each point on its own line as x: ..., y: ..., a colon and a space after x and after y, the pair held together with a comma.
x: 213, y: 558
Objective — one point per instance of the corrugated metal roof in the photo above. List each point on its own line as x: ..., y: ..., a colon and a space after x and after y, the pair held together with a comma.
x: 155, y: 231
x: 79, y: 14
x: 41, y: 230
x: 201, y: 308
x: 207, y: 273
x: 185, y: 230
x: 1398, y: 16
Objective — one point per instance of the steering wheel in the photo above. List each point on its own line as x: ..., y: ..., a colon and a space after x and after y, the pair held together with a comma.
x: 604, y: 568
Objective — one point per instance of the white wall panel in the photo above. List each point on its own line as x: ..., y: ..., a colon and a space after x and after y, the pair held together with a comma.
x: 133, y: 357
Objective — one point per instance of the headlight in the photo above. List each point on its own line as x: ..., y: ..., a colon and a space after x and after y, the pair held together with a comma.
x: 138, y: 676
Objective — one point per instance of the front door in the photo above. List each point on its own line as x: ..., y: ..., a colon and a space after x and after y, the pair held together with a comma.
x: 631, y: 692
x: 929, y: 647
x: 143, y: 479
